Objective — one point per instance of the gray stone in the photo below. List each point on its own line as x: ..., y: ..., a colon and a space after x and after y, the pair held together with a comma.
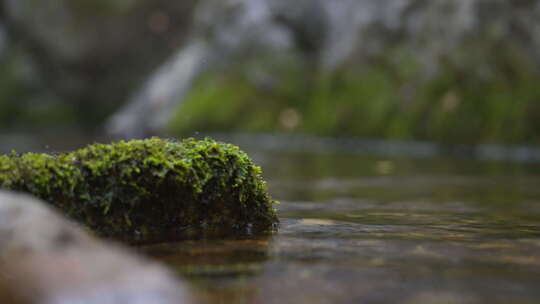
x: 47, y: 259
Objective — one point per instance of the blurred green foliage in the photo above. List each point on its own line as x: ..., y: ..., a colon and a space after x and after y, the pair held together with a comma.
x: 456, y: 105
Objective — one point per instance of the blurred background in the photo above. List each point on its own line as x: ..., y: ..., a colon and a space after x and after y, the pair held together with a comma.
x: 457, y: 72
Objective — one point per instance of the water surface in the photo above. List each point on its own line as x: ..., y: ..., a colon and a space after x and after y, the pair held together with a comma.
x: 379, y: 229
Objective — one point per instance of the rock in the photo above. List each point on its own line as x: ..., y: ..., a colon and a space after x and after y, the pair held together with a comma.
x: 421, y: 40
x: 45, y: 259
x: 149, y: 190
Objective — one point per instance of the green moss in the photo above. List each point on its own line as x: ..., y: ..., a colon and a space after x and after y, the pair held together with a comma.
x: 149, y: 190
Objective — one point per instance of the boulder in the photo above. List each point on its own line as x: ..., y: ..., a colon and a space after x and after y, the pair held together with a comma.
x: 149, y: 190
x: 46, y: 259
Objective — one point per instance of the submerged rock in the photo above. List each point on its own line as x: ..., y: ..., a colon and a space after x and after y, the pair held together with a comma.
x: 45, y: 259
x: 149, y: 190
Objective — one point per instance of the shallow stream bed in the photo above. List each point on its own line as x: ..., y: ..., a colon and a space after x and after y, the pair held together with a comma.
x: 372, y: 229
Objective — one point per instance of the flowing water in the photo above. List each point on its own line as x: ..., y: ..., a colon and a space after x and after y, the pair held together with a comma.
x: 369, y: 229
x: 377, y: 222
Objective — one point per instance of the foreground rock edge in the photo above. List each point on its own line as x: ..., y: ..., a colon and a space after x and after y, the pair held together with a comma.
x: 45, y: 258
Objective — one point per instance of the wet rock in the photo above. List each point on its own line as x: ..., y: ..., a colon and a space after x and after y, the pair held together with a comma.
x: 45, y: 259
x: 150, y: 190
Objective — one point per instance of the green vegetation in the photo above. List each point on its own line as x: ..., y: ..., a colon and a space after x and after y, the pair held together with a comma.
x: 149, y: 190
x: 391, y: 99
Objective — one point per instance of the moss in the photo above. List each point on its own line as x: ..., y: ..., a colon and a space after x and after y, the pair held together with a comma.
x: 149, y: 190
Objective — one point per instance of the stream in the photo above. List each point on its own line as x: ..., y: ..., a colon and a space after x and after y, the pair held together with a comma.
x: 362, y: 228
x: 373, y: 222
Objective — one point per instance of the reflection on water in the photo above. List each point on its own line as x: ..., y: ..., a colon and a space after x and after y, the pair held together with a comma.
x: 357, y: 229
x: 400, y: 225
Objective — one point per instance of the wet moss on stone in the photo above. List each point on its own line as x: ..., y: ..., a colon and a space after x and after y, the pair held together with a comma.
x: 149, y: 190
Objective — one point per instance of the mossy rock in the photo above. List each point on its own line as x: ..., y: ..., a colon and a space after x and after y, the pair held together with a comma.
x: 149, y: 190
